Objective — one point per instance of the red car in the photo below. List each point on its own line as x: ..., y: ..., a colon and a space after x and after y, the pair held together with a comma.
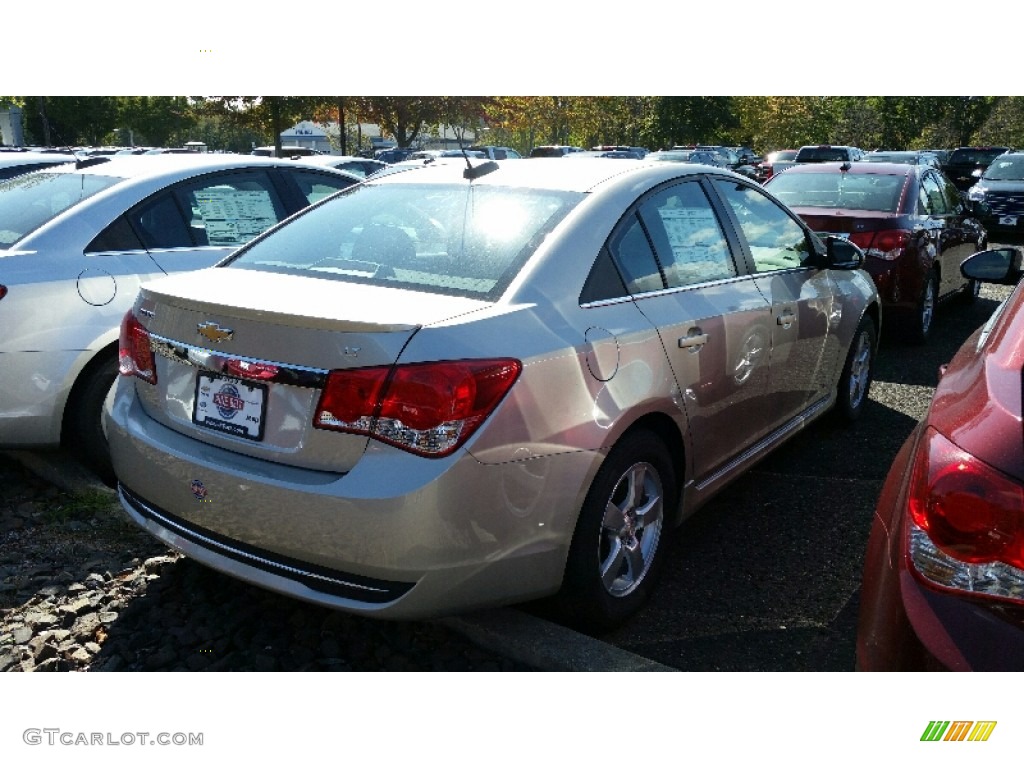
x: 910, y: 221
x: 943, y: 585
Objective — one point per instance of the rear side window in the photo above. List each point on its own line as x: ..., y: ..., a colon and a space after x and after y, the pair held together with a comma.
x: 224, y: 210
x: 29, y: 202
x: 687, y: 236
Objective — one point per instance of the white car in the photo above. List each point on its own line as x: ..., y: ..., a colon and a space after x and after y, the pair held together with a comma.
x: 77, y: 240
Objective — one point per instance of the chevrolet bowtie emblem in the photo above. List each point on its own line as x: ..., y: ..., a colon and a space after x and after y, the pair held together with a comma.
x: 214, y: 332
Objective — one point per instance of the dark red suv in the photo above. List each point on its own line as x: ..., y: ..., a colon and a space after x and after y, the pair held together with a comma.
x: 910, y: 220
x: 943, y: 584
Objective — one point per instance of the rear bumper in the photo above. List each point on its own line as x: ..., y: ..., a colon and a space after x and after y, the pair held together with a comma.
x: 397, y: 537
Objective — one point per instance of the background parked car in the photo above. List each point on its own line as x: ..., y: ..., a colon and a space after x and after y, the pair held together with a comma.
x: 911, y: 222
x: 16, y: 163
x: 965, y: 165
x: 775, y: 162
x: 554, y: 150
x: 496, y: 153
x: 446, y: 393
x: 76, y: 242
x: 998, y: 196
x: 943, y: 583
x: 908, y: 157
x: 360, y: 166
x: 827, y: 153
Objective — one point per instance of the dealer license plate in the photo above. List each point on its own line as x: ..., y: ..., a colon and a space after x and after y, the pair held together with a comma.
x: 1008, y: 221
x: 231, y: 406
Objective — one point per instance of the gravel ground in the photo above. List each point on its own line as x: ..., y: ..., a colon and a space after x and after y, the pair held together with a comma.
x: 81, y: 588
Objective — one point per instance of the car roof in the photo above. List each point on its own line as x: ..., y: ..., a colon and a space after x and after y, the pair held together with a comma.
x: 582, y: 175
x: 179, y: 165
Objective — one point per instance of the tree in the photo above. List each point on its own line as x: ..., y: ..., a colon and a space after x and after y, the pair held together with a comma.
x: 70, y: 120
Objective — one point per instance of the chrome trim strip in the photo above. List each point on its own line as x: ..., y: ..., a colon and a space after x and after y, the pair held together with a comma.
x: 762, y: 445
x: 216, y: 362
x: 241, y: 554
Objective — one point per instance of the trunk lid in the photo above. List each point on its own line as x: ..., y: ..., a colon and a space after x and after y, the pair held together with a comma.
x: 241, y: 355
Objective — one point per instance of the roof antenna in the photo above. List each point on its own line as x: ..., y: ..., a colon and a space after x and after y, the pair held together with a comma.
x: 472, y: 171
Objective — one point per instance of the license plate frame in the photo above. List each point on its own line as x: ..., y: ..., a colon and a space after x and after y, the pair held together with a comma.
x: 230, y: 406
x: 1008, y: 221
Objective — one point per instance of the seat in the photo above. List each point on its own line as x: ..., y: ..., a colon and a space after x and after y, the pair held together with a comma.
x: 383, y: 244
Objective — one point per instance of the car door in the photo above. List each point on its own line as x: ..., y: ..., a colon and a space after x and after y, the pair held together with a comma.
x: 712, y: 320
x: 962, y: 235
x: 804, y: 312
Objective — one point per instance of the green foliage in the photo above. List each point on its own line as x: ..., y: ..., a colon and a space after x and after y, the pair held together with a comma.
x: 764, y: 122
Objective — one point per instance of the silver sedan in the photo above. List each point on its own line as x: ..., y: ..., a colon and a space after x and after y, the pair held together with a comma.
x: 77, y: 240
x: 465, y: 385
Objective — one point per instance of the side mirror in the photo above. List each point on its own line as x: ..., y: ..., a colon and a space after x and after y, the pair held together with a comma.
x: 998, y: 265
x: 842, y: 254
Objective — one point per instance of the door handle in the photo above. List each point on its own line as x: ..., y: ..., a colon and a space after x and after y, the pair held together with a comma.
x: 785, y: 319
x: 694, y: 340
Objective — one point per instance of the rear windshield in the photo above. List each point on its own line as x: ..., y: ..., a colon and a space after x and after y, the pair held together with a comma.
x: 459, y: 239
x: 859, y: 192
x: 822, y: 154
x: 975, y: 156
x: 28, y: 202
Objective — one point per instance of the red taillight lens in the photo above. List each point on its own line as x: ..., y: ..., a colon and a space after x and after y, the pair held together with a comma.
x: 970, y: 511
x: 429, y: 409
x: 887, y: 244
x: 246, y: 369
x: 3, y: 291
x: 134, y: 354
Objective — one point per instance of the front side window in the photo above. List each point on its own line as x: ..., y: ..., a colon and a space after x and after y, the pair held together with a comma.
x: 775, y: 239
x: 29, y: 202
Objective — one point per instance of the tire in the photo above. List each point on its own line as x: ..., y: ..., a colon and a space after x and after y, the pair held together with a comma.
x: 921, y: 321
x: 83, y: 431
x: 620, y: 539
x: 858, y: 371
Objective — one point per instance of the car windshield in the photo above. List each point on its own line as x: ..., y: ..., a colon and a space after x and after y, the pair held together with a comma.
x: 1007, y: 168
x: 458, y: 239
x: 860, y: 192
x: 28, y: 202
x: 822, y: 154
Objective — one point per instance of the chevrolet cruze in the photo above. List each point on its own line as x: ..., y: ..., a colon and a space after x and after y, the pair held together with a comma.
x: 471, y: 384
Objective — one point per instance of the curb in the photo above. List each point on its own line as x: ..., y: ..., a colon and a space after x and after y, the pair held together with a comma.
x: 545, y: 646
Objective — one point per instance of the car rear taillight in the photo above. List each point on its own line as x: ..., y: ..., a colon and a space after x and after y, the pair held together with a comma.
x: 134, y: 354
x: 887, y: 244
x: 967, y: 521
x: 429, y: 409
x: 3, y: 291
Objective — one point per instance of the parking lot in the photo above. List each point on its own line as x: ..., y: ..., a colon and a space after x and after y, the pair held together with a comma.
x: 765, y: 578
